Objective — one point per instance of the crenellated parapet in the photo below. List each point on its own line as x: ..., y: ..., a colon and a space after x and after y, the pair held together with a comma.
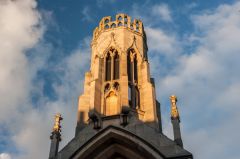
x: 121, y: 21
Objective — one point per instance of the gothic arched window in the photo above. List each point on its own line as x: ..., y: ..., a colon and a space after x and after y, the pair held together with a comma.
x: 132, y: 66
x: 132, y: 70
x: 108, y: 68
x: 112, y: 65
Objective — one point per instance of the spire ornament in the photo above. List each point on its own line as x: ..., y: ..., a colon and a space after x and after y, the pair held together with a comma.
x: 57, y: 126
x: 175, y: 121
x: 55, y: 136
x: 174, y: 110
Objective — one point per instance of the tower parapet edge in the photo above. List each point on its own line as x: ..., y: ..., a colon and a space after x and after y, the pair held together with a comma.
x: 121, y: 21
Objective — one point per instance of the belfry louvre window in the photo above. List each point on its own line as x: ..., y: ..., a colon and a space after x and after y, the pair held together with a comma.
x: 112, y: 65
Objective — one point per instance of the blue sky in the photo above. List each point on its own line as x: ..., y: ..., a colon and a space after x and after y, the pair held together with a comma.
x: 193, y: 53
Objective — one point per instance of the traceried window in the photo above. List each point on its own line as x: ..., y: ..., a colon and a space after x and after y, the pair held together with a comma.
x: 132, y: 71
x: 112, y: 65
x: 132, y: 66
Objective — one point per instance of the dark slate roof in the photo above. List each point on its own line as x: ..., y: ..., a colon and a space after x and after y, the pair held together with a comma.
x: 150, y: 136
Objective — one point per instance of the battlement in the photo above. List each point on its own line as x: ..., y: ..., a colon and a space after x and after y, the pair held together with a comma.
x: 121, y: 21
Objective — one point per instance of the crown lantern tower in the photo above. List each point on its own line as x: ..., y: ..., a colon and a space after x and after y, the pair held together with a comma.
x: 118, y: 114
x: 119, y: 74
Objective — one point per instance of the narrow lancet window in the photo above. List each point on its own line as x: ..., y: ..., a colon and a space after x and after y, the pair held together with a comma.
x: 129, y: 72
x: 135, y: 69
x: 116, y: 67
x: 108, y: 68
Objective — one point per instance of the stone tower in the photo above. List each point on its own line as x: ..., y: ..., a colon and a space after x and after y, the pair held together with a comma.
x: 118, y: 114
x: 119, y: 74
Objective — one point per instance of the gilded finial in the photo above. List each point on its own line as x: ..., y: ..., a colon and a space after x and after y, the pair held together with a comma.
x: 174, y: 110
x: 57, y: 126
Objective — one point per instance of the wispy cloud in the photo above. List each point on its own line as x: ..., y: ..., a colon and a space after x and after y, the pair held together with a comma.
x: 163, y: 12
x: 164, y: 47
x: 153, y: 15
x: 208, y: 83
x: 70, y: 71
x: 21, y: 30
x: 5, y: 156
x: 206, y: 80
x: 87, y: 14
x: 162, y: 42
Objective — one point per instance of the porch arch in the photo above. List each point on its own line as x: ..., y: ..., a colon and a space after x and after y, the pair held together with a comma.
x: 116, y: 143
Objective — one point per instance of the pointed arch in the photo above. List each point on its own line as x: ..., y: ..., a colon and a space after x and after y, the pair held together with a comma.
x: 134, y: 47
x: 111, y: 48
x: 132, y: 65
x: 112, y: 64
x: 116, y: 142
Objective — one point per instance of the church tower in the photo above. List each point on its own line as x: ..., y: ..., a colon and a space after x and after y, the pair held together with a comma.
x: 119, y: 74
x: 118, y: 114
